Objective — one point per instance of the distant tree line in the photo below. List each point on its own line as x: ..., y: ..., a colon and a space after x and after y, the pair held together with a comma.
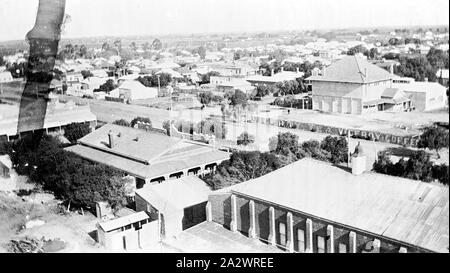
x: 420, y: 67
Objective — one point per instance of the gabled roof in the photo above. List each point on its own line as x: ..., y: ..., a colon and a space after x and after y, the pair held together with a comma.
x: 414, y: 212
x: 353, y: 69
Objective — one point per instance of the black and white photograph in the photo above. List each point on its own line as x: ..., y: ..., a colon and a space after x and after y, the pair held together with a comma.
x: 251, y: 128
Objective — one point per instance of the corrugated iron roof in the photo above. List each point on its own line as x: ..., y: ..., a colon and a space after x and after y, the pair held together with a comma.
x: 410, y: 211
x: 353, y: 69
x: 151, y: 155
x: 123, y: 221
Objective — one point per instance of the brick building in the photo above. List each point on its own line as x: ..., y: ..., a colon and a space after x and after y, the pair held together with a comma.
x: 312, y: 206
x: 355, y: 86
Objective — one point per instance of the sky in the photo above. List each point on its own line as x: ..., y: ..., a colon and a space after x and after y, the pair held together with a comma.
x: 157, y: 17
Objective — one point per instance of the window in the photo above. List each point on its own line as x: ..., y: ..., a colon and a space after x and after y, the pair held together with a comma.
x: 342, y: 248
x: 320, y: 244
x: 282, y: 227
x: 301, y: 240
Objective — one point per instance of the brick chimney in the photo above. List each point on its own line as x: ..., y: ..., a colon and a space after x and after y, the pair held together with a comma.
x: 358, y: 160
x: 111, y: 139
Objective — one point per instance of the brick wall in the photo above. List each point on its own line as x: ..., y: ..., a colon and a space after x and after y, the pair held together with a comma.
x: 221, y: 210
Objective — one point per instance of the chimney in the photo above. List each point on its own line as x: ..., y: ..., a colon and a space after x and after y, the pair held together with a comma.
x: 282, y: 69
x: 426, y: 79
x: 358, y: 160
x: 391, y: 69
x: 297, y: 69
x: 272, y: 72
x: 111, y: 139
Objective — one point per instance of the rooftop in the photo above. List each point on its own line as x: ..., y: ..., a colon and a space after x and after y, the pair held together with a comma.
x: 353, y: 69
x: 175, y: 194
x: 143, y: 153
x: 424, y: 87
x: 209, y: 237
x: 410, y: 211
x: 123, y: 221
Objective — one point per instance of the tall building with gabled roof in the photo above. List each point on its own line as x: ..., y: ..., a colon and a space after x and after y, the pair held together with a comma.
x: 354, y: 86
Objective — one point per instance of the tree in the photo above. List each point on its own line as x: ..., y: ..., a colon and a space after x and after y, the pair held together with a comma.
x: 108, y: 86
x: 206, y: 97
x: 140, y: 119
x: 438, y: 58
x: 337, y: 147
x: 71, y: 178
x: 245, y: 139
x: 153, y: 81
x: 207, y: 76
x: 201, y: 51
x: 75, y: 131
x: 238, y: 98
x: 156, y: 44
x: 418, y: 68
x: 210, y: 127
x: 86, y: 74
x: 440, y: 172
x: 122, y: 122
x: 383, y: 163
x: 241, y: 167
x: 286, y: 143
x: 133, y: 46
x: 419, y: 167
x: 358, y: 49
x: 434, y: 138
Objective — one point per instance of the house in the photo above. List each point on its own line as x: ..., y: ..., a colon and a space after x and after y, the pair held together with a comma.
x: 424, y: 96
x: 74, y: 85
x: 148, y: 155
x: 128, y: 233
x: 130, y: 90
x: 224, y: 84
x: 88, y: 85
x: 352, y: 86
x: 313, y: 206
x: 5, y: 166
x: 180, y: 202
x: 442, y: 76
x: 99, y: 73
x: 5, y: 76
x: 57, y: 116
